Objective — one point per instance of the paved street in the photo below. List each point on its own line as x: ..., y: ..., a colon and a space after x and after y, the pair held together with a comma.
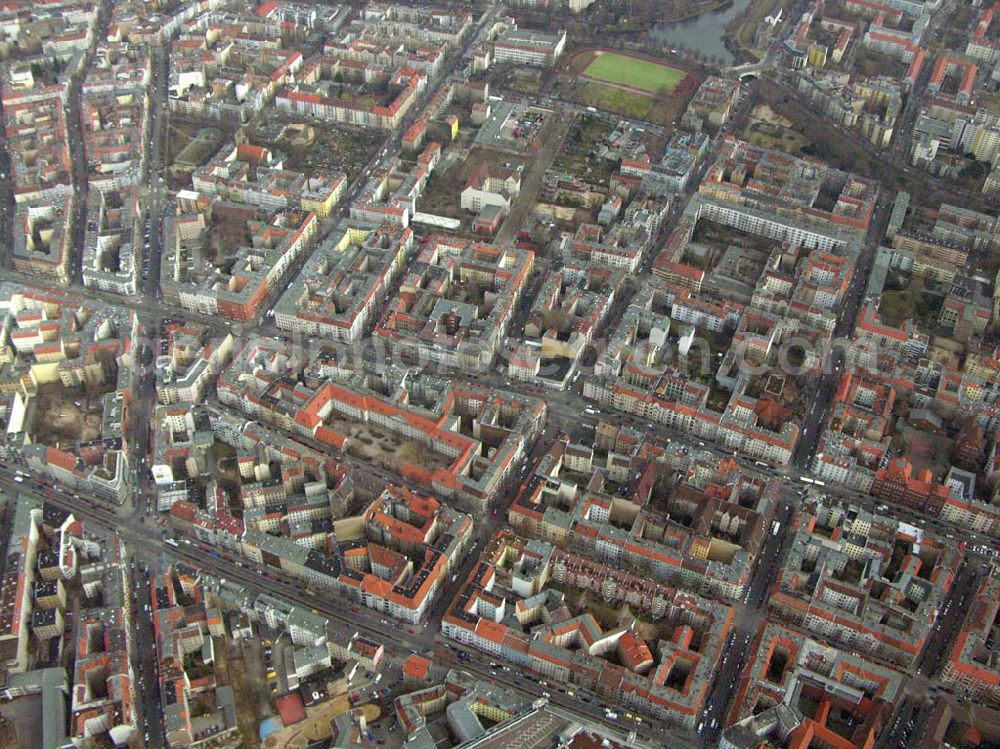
x: 749, y: 617
x: 948, y: 624
x: 822, y: 397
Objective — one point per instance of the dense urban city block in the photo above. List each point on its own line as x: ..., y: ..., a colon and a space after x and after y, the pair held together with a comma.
x: 536, y: 374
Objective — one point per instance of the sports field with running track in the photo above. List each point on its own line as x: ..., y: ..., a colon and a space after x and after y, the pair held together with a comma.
x: 633, y: 72
x: 629, y: 84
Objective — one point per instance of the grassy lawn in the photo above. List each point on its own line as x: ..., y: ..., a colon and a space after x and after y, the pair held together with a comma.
x: 630, y: 71
x: 616, y: 100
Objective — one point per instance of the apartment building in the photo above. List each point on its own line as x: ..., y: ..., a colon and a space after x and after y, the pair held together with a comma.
x: 60, y: 340
x: 967, y: 312
x: 464, y: 701
x: 401, y: 525
x: 914, y: 8
x: 619, y: 247
x: 114, y: 131
x: 362, y: 404
x: 903, y: 45
x: 43, y: 237
x: 972, y: 514
x: 237, y: 291
x: 274, y: 471
x: 366, y: 47
x: 738, y: 185
x: 197, y: 710
x: 316, y: 652
x: 983, y: 45
x: 971, y: 668
x: 529, y: 47
x: 871, y: 105
x: 446, y: 455
x: 825, y: 585
x: 491, y: 186
x: 103, y: 689
x: 705, y: 312
x: 346, y: 281
x: 16, y: 601
x: 670, y: 174
x: 963, y: 225
x: 391, y: 192
x: 59, y: 29
x: 862, y: 408
x: 507, y: 609
x: 117, y: 66
x: 966, y: 71
x: 132, y: 21
x: 711, y: 104
x: 403, y: 85
x: 181, y: 438
x: 228, y: 66
x: 950, y: 717
x: 873, y: 9
x: 37, y: 136
x: 441, y: 24
x: 787, y: 673
x: 250, y: 174
x: 402, y: 36
x: 302, y: 16
x: 925, y: 261
x: 848, y: 460
x: 628, y: 380
x: 438, y: 315
x: 111, y: 241
x: 570, y: 305
x: 633, y: 527
x: 49, y: 551
x: 191, y: 356
x: 372, y: 564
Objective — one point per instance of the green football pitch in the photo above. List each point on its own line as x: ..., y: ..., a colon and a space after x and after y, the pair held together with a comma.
x: 631, y: 71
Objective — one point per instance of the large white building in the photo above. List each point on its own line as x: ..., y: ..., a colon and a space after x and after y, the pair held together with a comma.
x: 529, y: 47
x: 497, y: 187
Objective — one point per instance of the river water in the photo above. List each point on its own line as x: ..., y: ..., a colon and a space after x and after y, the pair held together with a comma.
x: 704, y: 34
